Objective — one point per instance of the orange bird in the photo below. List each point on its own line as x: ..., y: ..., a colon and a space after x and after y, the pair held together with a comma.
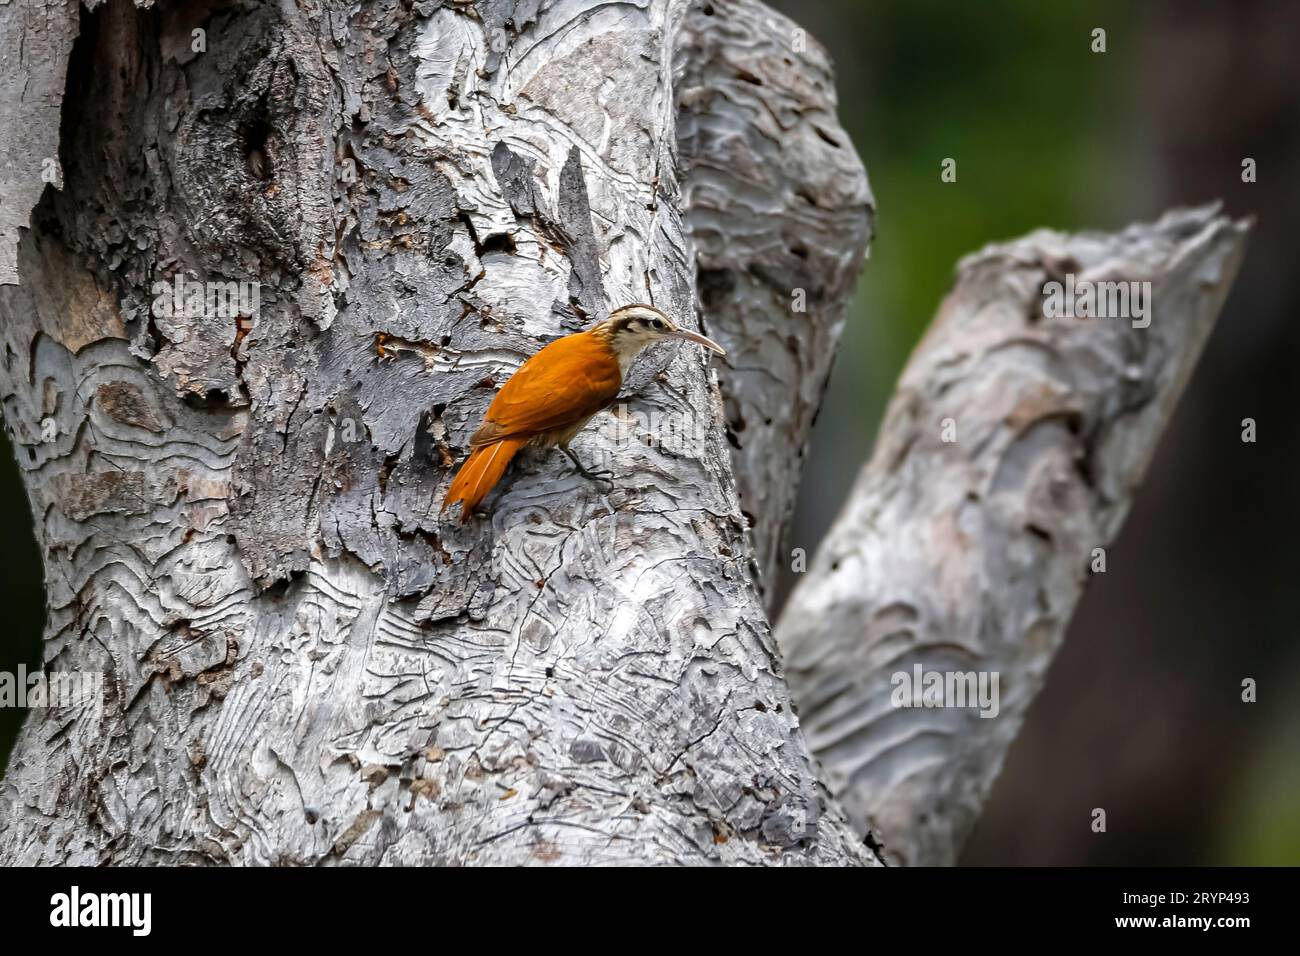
x: 556, y: 392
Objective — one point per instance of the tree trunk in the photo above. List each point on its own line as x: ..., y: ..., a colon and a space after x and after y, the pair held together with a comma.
x: 238, y: 508
x: 1004, y: 468
x: 780, y: 212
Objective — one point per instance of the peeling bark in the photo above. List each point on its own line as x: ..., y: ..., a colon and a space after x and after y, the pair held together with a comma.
x: 35, y: 40
x: 239, y: 514
x: 971, y: 555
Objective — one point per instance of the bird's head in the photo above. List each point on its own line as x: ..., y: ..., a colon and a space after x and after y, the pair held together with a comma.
x: 630, y: 329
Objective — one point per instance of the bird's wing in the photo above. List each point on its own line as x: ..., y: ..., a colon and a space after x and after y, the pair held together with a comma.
x: 567, y: 381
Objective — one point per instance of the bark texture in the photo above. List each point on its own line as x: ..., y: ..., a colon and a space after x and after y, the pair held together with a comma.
x: 970, y: 555
x: 781, y: 213
x: 239, y: 515
x: 35, y: 41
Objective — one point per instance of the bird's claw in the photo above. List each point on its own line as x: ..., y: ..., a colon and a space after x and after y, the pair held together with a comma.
x: 596, y: 474
x: 599, y: 475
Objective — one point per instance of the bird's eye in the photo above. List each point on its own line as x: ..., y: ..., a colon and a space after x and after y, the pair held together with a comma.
x: 658, y: 323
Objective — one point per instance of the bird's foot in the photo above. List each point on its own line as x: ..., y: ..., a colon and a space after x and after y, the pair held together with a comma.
x: 597, y: 475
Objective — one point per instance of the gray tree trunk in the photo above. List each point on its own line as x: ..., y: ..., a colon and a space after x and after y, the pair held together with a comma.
x: 1004, y: 468
x: 779, y: 207
x: 239, y: 514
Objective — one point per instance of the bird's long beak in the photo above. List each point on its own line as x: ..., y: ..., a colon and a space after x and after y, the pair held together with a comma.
x: 698, y: 339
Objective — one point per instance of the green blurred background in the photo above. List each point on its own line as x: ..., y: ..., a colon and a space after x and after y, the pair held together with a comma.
x: 1142, y: 713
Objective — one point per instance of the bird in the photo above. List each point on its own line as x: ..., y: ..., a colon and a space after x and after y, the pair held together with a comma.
x: 552, y: 396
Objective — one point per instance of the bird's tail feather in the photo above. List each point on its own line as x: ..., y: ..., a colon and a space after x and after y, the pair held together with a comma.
x: 481, y: 471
